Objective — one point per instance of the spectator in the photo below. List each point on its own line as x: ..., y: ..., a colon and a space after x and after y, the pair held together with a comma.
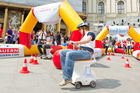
x: 9, y: 34
x: 129, y: 45
x: 1, y: 30
x: 66, y: 38
x: 124, y: 46
x: 36, y: 37
x: 48, y: 43
x: 119, y: 44
x: 41, y: 39
x: 14, y: 37
x: 32, y: 37
x: 58, y: 37
x: 113, y: 45
x: 62, y: 39
x: 106, y: 44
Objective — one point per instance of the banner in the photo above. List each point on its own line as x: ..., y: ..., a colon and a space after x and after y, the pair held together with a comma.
x: 47, y: 14
x: 121, y: 30
x: 11, y: 50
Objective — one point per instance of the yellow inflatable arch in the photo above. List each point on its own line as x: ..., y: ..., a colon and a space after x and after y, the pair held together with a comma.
x: 66, y: 12
x: 131, y: 32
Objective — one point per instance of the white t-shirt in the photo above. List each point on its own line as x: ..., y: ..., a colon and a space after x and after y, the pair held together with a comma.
x: 106, y: 42
x: 42, y: 36
x: 49, y: 38
x: 91, y: 43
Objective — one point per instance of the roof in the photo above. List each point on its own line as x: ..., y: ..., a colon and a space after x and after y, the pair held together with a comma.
x: 76, y: 4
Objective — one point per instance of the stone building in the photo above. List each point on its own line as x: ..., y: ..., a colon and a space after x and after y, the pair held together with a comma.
x: 113, y: 12
x: 14, y: 12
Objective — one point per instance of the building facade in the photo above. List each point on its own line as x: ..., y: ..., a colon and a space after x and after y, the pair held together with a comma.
x: 113, y: 12
x: 14, y: 12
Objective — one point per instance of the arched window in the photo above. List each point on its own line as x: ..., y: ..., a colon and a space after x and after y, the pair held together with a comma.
x: 101, y: 8
x: 120, y: 7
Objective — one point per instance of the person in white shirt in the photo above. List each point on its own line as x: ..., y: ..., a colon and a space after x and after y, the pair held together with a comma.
x: 41, y: 38
x: 129, y: 45
x: 47, y: 44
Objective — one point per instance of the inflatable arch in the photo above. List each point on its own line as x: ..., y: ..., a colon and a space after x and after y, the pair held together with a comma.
x: 65, y: 11
x: 122, y: 30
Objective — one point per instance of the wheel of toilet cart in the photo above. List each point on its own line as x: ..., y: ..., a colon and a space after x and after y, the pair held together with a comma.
x: 93, y: 84
x: 77, y: 85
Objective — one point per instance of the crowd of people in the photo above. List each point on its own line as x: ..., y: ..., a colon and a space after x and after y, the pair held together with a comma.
x: 127, y: 44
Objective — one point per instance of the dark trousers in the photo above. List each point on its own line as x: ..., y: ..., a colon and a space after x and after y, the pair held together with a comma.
x: 9, y: 41
x: 44, y: 48
x: 106, y: 48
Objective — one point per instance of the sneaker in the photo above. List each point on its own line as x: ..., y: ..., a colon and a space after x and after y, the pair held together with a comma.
x: 65, y: 82
x: 61, y: 72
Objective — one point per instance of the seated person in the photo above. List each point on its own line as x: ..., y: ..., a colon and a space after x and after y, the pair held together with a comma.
x: 85, y: 51
x: 48, y: 43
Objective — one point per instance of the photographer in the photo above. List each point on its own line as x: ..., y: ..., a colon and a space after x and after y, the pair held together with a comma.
x: 42, y: 37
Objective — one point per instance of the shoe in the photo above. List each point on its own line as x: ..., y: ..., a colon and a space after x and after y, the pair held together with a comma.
x: 61, y: 72
x: 65, y: 82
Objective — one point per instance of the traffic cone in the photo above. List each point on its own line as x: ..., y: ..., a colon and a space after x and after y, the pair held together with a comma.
x: 113, y: 54
x: 127, y: 64
x: 122, y: 56
x: 108, y: 57
x: 35, y: 61
x: 24, y: 69
x: 31, y: 59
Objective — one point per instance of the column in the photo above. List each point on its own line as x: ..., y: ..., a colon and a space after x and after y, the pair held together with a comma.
x: 134, y: 6
x: 5, y: 22
x: 45, y: 27
x: 107, y: 6
x: 22, y: 17
x: 58, y: 26
x: 94, y: 6
x: 113, y: 5
x: 67, y: 31
x: 89, y: 6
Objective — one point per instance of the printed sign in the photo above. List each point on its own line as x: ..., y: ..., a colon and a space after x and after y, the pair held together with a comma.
x: 11, y: 50
x: 121, y: 30
x: 48, y: 14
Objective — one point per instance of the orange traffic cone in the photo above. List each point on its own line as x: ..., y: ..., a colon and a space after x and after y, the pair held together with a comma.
x: 31, y: 59
x: 35, y: 61
x: 113, y: 54
x: 24, y: 68
x: 122, y: 56
x: 108, y: 57
x: 127, y: 64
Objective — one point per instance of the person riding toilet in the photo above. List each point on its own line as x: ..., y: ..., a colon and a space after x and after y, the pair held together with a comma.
x: 85, y: 51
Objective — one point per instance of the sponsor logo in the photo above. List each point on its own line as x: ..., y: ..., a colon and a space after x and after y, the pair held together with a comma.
x: 9, y: 50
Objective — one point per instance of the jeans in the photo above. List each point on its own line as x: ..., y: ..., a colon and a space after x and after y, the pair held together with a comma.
x: 124, y: 50
x: 106, y: 49
x: 113, y: 48
x: 68, y: 56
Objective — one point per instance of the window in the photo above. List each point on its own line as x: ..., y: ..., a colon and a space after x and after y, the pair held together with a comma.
x: 120, y: 7
x: 101, y: 8
x: 84, y: 7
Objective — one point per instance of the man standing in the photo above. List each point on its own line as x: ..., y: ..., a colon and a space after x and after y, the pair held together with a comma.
x: 1, y: 30
x: 9, y: 34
